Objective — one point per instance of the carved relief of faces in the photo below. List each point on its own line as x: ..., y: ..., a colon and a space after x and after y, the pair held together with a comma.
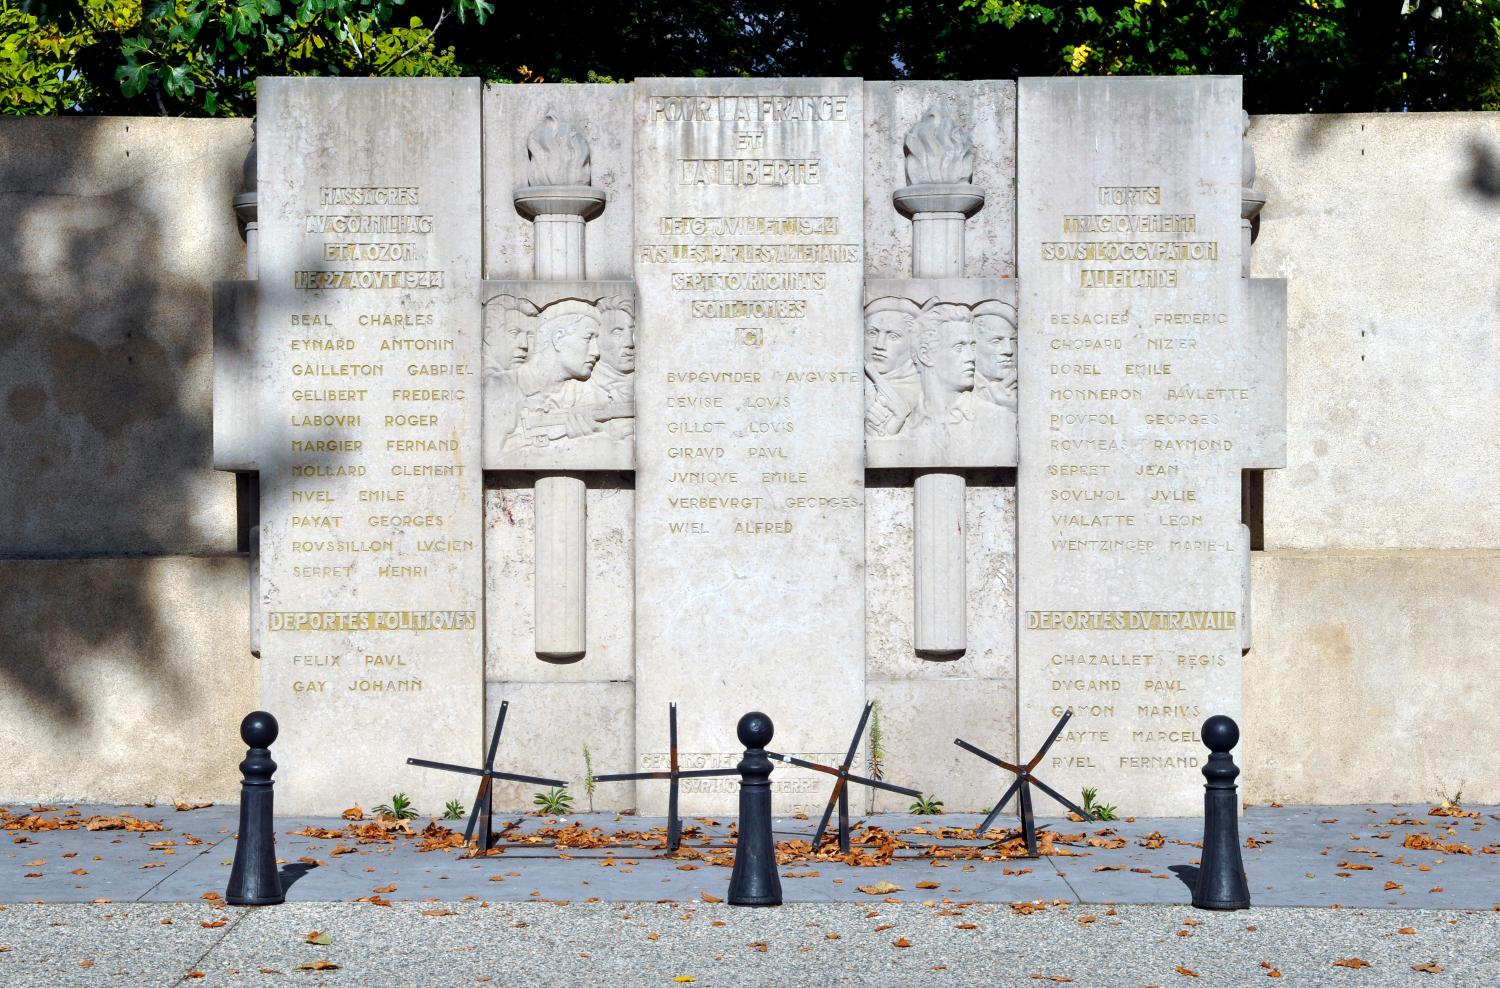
x: 945, y: 347
x: 889, y: 326
x: 569, y: 335
x: 617, y: 333
x: 515, y: 337
x: 995, y: 333
x: 508, y: 326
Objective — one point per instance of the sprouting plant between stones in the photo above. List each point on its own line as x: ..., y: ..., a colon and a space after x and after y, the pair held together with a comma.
x: 589, y: 782
x: 928, y: 805
x: 1444, y: 798
x: 454, y: 810
x: 399, y: 808
x: 1099, y: 811
x: 877, y: 743
x: 553, y: 802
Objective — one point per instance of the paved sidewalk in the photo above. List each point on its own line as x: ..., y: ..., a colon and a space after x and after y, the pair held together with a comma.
x: 1352, y: 856
x: 1342, y: 895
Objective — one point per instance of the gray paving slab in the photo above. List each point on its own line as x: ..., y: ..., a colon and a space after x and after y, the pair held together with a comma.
x: 1351, y: 856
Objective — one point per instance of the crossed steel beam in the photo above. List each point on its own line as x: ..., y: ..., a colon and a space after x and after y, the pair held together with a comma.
x: 673, y: 774
x: 483, y: 808
x: 1024, y: 781
x: 840, y: 794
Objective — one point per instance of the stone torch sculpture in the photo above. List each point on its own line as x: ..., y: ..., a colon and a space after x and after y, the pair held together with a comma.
x: 559, y: 362
x: 940, y: 372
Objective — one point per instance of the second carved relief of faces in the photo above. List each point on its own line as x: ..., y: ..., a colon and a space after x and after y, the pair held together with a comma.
x: 575, y: 339
x: 617, y: 335
x: 946, y: 348
x: 995, y: 334
x: 888, y: 336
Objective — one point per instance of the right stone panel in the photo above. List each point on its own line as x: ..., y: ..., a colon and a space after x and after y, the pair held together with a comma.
x: 1140, y: 403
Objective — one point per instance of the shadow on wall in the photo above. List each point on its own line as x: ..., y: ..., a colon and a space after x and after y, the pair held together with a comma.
x: 112, y: 232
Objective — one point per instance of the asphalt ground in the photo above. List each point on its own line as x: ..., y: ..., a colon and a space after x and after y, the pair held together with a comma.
x: 844, y: 943
x: 1347, y: 883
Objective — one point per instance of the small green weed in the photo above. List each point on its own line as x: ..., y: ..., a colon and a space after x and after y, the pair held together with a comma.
x: 454, y: 810
x: 399, y: 808
x: 1099, y: 811
x: 589, y: 782
x: 926, y: 806
x: 553, y: 802
x: 877, y: 743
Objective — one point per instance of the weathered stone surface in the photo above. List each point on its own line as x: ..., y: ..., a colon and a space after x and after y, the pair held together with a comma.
x: 1369, y: 677
x: 919, y: 720
x: 604, y: 115
x: 1381, y: 228
x: 990, y: 551
x: 510, y: 653
x: 546, y: 729
x: 559, y: 375
x: 123, y: 680
x: 927, y: 403
x: 1137, y: 415
x: 114, y: 233
x: 371, y: 496
x: 749, y: 508
x: 987, y: 108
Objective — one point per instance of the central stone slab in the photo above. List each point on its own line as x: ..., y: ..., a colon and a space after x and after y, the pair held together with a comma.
x: 750, y: 583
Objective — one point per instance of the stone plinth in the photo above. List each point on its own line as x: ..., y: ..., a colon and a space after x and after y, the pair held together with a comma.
x: 370, y: 480
x: 749, y: 448
x: 1141, y: 401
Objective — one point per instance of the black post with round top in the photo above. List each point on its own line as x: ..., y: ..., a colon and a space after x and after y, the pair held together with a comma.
x: 254, y: 880
x: 755, y: 881
x: 1221, y: 873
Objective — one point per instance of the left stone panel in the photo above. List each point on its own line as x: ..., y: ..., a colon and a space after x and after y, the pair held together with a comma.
x: 371, y: 489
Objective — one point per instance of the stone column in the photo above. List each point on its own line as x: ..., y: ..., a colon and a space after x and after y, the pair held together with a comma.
x: 246, y: 213
x: 559, y: 201
x: 939, y: 161
x: 1251, y: 203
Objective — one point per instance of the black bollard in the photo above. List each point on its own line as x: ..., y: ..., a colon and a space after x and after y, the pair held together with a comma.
x: 755, y: 881
x: 254, y: 880
x: 1221, y: 873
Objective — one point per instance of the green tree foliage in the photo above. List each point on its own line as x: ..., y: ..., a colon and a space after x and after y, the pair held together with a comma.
x: 201, y: 56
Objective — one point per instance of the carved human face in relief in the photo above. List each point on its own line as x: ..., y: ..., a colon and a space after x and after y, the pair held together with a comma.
x: 996, y: 351
x: 946, y: 348
x: 515, y: 337
x: 888, y: 342
x: 617, y: 340
x: 577, y: 345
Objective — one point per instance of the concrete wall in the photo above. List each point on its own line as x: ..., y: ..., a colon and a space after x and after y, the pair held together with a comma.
x: 1376, y: 607
x: 123, y: 665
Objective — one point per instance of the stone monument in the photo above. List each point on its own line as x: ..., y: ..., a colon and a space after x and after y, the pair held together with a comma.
x: 772, y: 298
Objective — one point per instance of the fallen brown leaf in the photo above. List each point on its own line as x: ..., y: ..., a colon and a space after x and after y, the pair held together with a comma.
x: 1428, y: 968
x: 1354, y: 963
x: 902, y: 943
x: 318, y: 965
x: 1186, y: 972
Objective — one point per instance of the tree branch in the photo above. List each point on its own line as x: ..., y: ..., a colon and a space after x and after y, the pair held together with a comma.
x: 442, y: 16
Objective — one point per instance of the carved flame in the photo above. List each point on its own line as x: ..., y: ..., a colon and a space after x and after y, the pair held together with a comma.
x: 939, y: 151
x: 557, y: 154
